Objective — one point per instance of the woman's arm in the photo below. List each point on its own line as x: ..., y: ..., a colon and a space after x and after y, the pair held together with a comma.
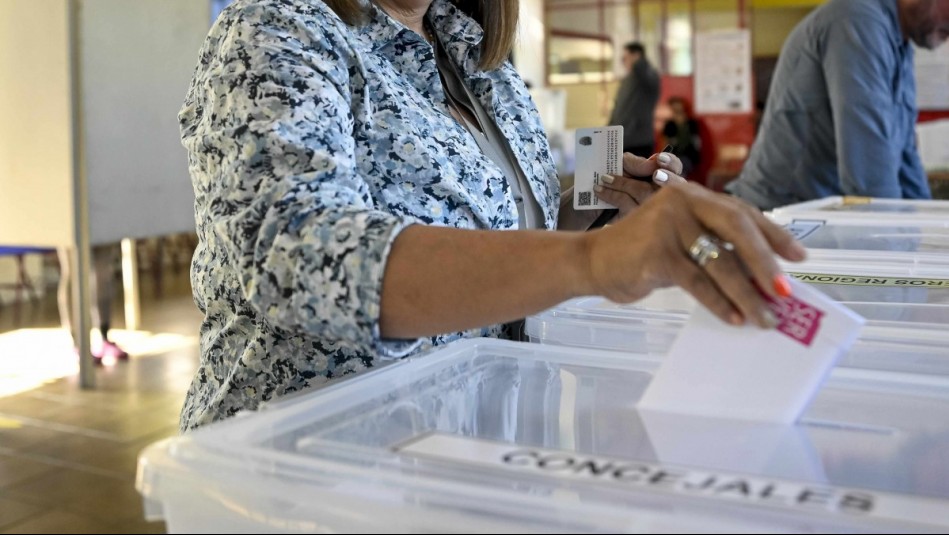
x: 441, y: 280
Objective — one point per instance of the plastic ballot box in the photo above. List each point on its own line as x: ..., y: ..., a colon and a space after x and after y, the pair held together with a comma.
x: 917, y: 250
x: 504, y: 437
x: 865, y: 209
x: 907, y: 328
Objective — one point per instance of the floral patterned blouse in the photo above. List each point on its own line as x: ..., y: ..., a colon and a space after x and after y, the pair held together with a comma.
x: 311, y: 145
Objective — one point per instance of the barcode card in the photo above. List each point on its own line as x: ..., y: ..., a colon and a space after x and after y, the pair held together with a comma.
x: 599, y: 151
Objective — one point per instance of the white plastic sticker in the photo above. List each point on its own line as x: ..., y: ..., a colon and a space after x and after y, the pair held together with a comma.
x: 801, y: 229
x: 753, y: 490
x: 856, y: 280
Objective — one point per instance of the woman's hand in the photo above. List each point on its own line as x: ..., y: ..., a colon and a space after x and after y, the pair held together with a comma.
x: 633, y: 188
x: 625, y: 192
x: 651, y: 249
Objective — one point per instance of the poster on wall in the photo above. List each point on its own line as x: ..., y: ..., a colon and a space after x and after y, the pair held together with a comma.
x: 932, y: 78
x: 931, y: 140
x: 723, y: 72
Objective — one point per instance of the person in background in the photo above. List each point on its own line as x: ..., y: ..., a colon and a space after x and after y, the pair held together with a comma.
x: 636, y: 100
x: 681, y: 131
x: 372, y: 179
x: 841, y: 112
x: 102, y: 289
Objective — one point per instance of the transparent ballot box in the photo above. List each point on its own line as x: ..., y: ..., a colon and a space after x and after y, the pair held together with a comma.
x: 915, y: 249
x: 907, y: 327
x: 865, y: 209
x: 491, y: 436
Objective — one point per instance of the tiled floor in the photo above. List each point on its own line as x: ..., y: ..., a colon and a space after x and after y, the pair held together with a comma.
x: 68, y: 456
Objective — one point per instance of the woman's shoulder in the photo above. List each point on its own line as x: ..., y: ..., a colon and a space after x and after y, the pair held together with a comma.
x: 292, y: 19
x: 279, y: 11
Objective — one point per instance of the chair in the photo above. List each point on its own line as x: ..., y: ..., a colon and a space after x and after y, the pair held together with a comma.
x: 939, y: 184
x: 729, y: 160
x: 22, y: 282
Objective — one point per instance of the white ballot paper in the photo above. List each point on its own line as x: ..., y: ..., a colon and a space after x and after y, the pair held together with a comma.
x: 599, y: 151
x: 748, y: 373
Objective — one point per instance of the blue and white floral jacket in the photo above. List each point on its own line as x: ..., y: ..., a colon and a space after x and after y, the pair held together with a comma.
x: 311, y: 145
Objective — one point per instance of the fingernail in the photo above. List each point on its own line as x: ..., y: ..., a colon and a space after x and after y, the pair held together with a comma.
x: 770, y: 320
x: 598, y: 189
x: 664, y: 158
x: 736, y: 319
x: 661, y: 176
x: 607, y: 179
x: 782, y: 286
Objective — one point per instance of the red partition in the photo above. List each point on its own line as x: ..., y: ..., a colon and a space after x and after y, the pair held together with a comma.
x: 715, y: 129
x: 928, y: 115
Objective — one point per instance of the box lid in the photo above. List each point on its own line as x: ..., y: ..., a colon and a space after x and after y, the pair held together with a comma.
x: 486, y: 435
x: 870, y: 210
x: 918, y: 249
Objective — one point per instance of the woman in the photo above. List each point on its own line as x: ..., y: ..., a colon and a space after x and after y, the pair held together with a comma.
x: 682, y: 133
x: 352, y: 162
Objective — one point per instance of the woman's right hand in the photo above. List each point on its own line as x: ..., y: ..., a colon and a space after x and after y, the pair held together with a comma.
x: 442, y: 280
x: 650, y: 249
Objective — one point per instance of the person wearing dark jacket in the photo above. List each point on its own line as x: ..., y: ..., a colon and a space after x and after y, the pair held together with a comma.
x: 636, y: 102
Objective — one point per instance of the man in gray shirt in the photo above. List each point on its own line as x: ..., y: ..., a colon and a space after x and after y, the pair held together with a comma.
x: 636, y: 102
x: 841, y: 113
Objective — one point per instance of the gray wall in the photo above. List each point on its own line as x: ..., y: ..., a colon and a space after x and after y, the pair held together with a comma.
x: 137, y: 60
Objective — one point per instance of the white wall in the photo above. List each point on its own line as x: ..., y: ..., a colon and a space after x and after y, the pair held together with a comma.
x: 35, y: 146
x: 771, y: 27
x: 137, y: 60
x: 529, y: 50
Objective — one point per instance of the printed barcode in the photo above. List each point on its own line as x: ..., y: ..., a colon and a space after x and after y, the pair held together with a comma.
x: 585, y: 198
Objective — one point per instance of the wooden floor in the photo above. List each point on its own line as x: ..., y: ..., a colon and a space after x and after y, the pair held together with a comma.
x: 68, y: 456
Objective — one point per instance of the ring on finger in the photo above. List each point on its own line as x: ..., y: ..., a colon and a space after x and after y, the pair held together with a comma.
x: 704, y: 249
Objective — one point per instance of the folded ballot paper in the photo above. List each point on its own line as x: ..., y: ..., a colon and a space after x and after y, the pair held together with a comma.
x: 748, y: 373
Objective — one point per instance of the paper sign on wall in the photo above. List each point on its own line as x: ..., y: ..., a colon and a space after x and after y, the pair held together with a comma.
x: 723, y: 72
